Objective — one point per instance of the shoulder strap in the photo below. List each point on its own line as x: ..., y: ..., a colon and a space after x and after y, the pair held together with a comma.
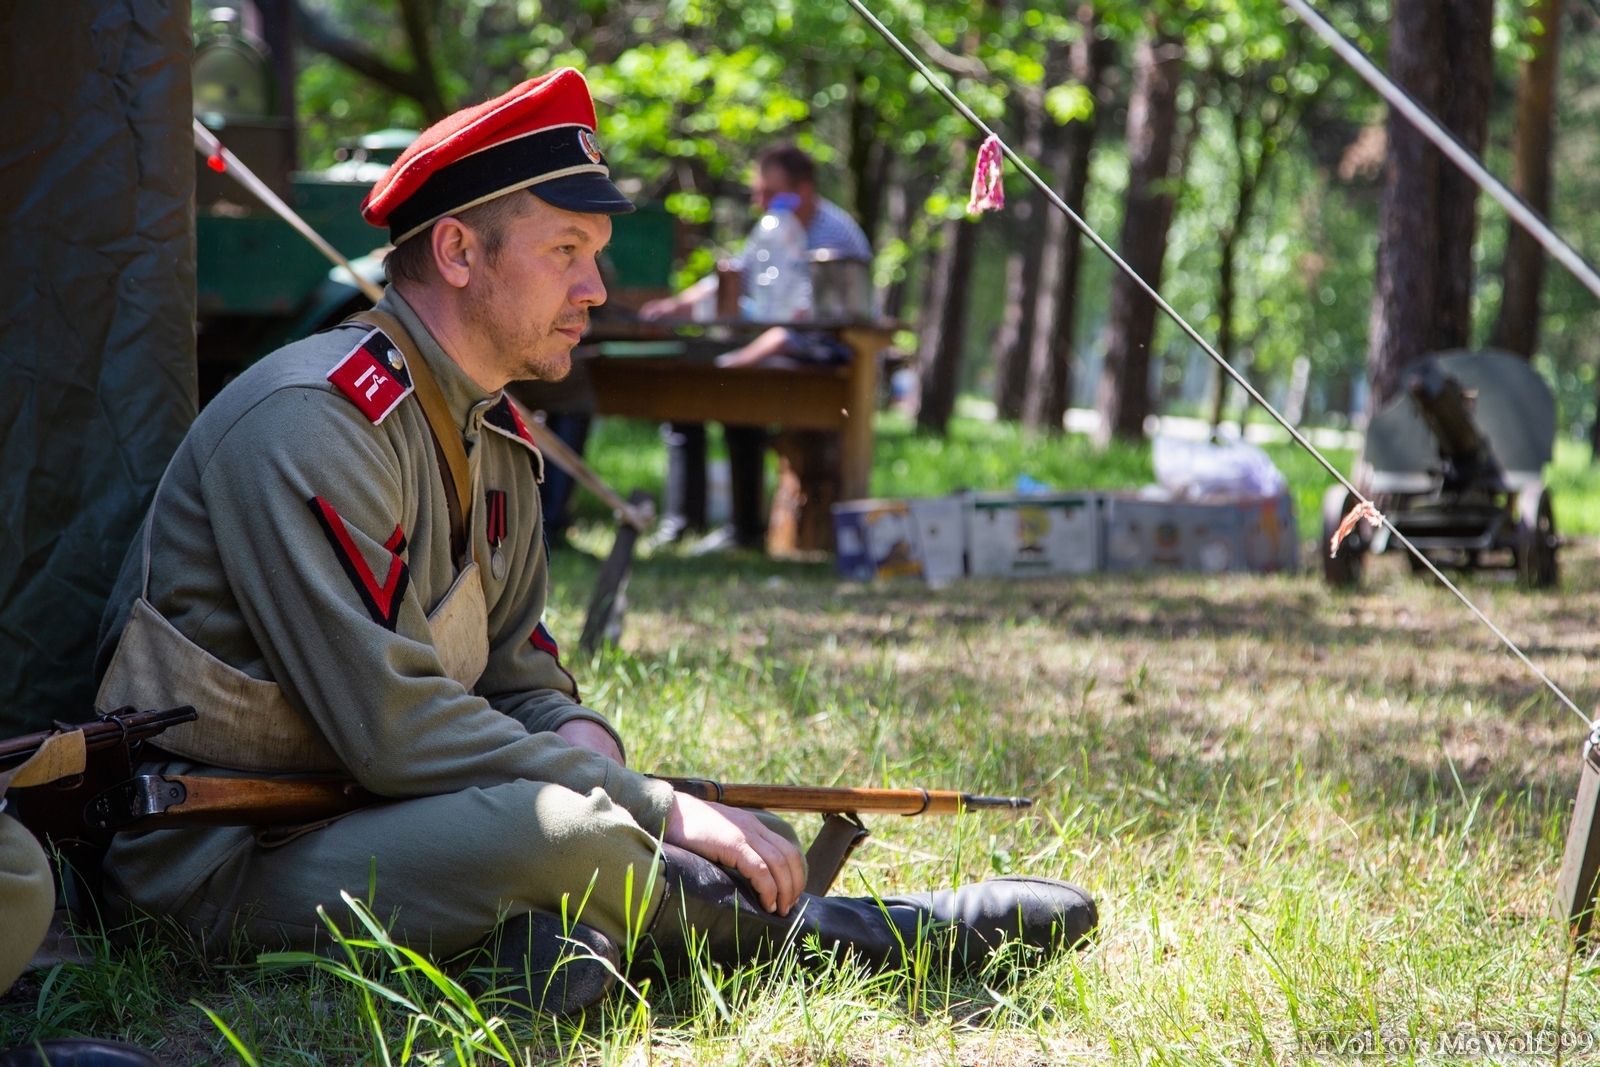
x: 448, y: 448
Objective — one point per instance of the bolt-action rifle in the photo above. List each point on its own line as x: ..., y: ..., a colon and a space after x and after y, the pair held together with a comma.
x: 81, y: 811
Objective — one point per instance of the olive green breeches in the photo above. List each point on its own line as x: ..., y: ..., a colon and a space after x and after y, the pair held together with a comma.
x: 445, y: 869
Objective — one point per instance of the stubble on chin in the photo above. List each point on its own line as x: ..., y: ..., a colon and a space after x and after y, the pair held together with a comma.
x: 529, y: 352
x: 546, y: 356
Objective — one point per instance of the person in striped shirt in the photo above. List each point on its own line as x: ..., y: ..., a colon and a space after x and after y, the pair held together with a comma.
x: 782, y: 168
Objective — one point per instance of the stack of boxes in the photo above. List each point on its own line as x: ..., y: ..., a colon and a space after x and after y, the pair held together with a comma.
x: 1016, y: 535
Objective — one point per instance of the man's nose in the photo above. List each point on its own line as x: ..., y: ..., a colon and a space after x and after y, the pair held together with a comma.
x: 590, y: 290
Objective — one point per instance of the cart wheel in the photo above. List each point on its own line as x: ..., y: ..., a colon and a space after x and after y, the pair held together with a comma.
x: 1344, y: 570
x: 1536, y: 552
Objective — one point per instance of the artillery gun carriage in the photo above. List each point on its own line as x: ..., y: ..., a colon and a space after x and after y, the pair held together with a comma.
x: 1456, y: 463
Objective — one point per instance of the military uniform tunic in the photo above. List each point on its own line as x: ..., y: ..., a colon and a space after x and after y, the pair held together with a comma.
x: 301, y: 542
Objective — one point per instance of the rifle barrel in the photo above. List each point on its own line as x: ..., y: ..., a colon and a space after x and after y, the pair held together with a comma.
x: 823, y: 800
x: 122, y: 726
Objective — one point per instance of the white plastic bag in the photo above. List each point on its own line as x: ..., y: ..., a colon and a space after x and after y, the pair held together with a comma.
x: 1199, y: 470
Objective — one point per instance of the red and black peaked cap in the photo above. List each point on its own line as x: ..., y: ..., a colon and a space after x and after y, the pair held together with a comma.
x: 539, y: 137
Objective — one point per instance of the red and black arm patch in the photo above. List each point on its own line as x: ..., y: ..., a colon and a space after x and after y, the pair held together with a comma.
x: 541, y: 639
x: 382, y: 600
x: 544, y: 642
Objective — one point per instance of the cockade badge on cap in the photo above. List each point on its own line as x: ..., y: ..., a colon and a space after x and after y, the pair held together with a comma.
x: 590, y: 144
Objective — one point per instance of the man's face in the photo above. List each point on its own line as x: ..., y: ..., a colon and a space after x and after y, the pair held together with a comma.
x: 767, y: 183
x: 533, y: 300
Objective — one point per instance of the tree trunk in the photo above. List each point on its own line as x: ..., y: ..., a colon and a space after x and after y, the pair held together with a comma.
x: 1055, y: 320
x: 1404, y: 299
x: 277, y: 30
x: 897, y: 208
x: 1124, y: 393
x: 869, y: 159
x: 1010, y: 354
x: 1464, y: 109
x: 1517, y: 329
x: 1014, y: 342
x: 945, y: 319
x: 1594, y: 428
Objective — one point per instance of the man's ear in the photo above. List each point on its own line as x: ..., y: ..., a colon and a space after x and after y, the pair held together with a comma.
x: 455, y: 250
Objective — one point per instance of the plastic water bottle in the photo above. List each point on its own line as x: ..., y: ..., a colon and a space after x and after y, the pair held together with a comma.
x: 780, y: 273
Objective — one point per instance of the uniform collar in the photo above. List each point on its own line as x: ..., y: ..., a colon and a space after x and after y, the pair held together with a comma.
x: 466, y: 399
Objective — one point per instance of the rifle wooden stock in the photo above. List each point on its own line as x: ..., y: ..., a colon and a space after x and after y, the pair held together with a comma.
x: 824, y: 800
x: 157, y: 801
x: 152, y: 801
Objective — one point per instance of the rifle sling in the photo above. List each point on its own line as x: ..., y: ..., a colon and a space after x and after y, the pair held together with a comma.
x: 448, y: 449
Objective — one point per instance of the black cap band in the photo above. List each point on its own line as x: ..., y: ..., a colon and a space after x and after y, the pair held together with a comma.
x: 566, y: 159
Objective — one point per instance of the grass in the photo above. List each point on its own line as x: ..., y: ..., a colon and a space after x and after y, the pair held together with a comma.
x: 1308, y: 818
x: 1302, y: 815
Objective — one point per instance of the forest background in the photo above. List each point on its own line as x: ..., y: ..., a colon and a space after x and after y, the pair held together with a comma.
x: 1249, y: 165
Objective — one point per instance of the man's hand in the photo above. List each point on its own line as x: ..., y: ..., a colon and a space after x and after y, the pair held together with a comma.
x: 679, y: 305
x: 737, y: 839
x: 592, y: 736
x: 666, y: 307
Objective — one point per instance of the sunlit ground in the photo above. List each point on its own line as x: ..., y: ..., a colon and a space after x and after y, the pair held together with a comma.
x: 1306, y: 816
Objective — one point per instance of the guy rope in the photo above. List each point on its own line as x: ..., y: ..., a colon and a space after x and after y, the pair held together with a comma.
x: 1580, y: 870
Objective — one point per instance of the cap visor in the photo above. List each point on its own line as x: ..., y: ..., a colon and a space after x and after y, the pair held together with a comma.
x: 590, y: 194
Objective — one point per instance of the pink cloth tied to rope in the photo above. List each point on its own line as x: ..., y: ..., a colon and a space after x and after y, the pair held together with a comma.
x: 1363, y: 510
x: 988, y: 191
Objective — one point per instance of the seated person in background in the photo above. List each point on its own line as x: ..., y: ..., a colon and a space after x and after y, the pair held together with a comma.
x: 780, y: 169
x: 783, y: 168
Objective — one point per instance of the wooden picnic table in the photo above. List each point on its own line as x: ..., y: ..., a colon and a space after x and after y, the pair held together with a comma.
x: 681, y: 389
x: 666, y: 372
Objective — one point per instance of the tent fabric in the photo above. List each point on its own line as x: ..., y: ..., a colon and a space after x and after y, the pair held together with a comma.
x: 1514, y: 408
x: 97, y: 308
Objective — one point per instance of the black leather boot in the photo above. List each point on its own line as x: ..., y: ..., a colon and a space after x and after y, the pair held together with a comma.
x: 704, y: 905
x: 1040, y: 913
x: 535, y: 963
x: 77, y: 1052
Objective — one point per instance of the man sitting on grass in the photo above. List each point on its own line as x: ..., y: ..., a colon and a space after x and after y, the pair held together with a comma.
x: 344, y: 571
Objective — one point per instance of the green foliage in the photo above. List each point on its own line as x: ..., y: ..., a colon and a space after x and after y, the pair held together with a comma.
x: 664, y: 104
x: 1574, y: 483
x: 690, y: 90
x: 337, y: 106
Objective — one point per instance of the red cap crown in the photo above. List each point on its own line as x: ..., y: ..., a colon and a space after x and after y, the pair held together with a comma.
x: 540, y: 131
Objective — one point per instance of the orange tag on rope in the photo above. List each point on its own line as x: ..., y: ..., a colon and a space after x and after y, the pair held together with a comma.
x: 1363, y: 510
x: 216, y: 162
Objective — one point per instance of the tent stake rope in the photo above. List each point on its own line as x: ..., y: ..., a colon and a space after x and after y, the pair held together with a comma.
x: 1299, y: 438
